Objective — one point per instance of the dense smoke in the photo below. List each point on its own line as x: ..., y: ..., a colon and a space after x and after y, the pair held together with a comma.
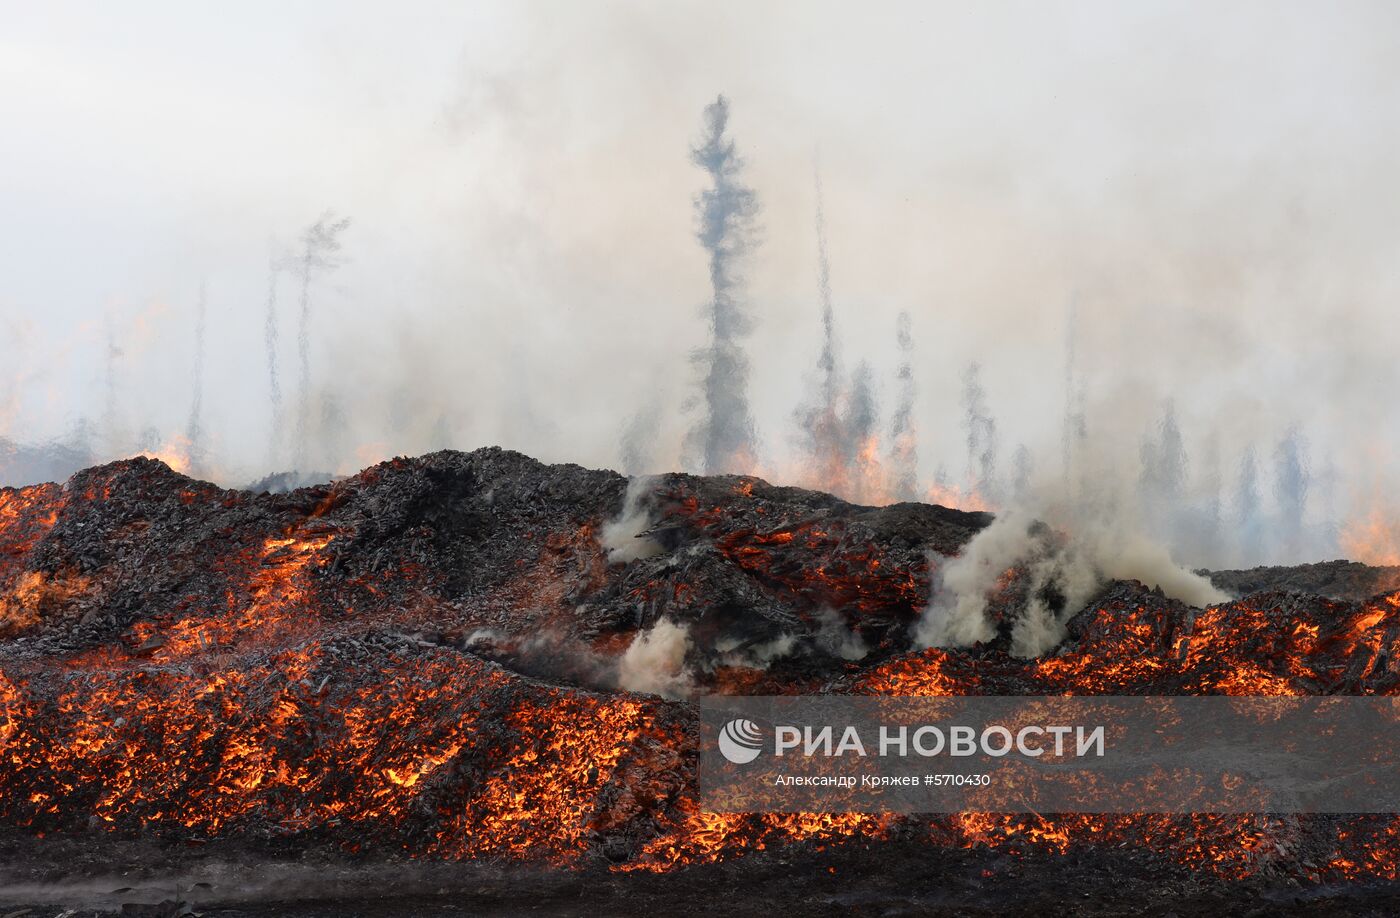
x: 524, y: 258
x: 655, y: 661
x: 724, y: 436
x: 1063, y: 573
x: 622, y: 537
x: 836, y: 638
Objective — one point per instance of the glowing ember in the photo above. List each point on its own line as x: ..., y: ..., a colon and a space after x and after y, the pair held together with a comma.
x: 197, y: 663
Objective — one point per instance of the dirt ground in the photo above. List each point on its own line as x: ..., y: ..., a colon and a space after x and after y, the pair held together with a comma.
x: 52, y: 878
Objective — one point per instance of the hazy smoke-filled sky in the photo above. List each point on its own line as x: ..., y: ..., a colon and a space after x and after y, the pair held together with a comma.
x: 1214, y: 190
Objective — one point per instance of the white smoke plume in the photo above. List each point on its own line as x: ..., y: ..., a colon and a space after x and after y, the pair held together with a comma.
x: 957, y: 612
x: 760, y: 655
x: 621, y: 536
x: 832, y: 635
x: 835, y: 637
x: 1094, y: 551
x: 655, y: 661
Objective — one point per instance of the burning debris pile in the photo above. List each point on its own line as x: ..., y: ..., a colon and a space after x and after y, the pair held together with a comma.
x: 477, y: 656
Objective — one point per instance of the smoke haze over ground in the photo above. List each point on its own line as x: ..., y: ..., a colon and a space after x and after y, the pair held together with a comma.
x: 1210, y: 194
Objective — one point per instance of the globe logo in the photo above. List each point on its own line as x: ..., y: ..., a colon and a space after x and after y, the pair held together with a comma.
x: 740, y: 741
